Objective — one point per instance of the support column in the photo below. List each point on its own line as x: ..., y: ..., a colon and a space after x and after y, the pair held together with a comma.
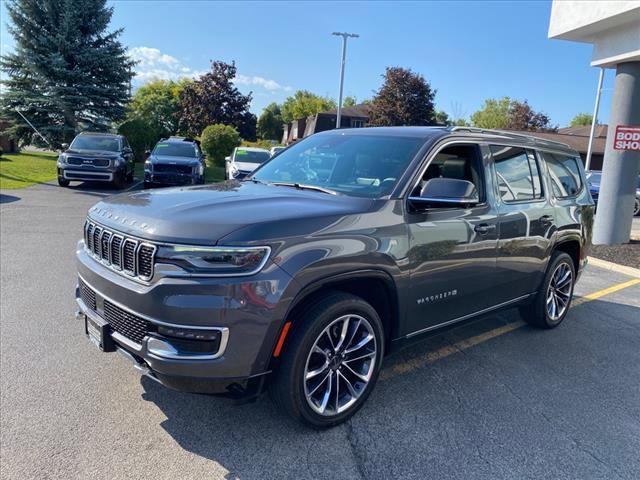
x: 620, y: 168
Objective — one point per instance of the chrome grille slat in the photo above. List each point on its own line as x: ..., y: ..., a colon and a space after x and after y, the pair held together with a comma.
x: 121, y: 253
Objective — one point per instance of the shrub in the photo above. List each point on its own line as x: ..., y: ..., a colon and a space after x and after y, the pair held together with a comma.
x: 141, y: 136
x: 218, y: 141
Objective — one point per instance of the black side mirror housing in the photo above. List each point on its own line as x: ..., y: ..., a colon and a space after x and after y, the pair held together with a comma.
x: 447, y: 192
x: 64, y: 146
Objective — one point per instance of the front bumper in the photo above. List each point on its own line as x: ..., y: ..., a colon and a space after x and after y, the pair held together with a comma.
x: 172, y: 179
x: 241, y: 309
x: 72, y: 172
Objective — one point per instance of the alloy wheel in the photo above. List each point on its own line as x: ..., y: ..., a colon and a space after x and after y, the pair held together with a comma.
x: 340, y: 365
x: 559, y: 291
x: 636, y: 207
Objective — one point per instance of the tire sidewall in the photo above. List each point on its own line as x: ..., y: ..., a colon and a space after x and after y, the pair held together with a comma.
x: 306, y: 337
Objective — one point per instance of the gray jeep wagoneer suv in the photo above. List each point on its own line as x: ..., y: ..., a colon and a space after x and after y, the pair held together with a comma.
x: 343, y: 248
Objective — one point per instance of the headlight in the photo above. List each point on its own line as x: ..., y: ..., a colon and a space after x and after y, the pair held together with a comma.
x: 62, y: 158
x: 233, y: 170
x: 198, y: 170
x: 215, y: 261
x: 148, y: 166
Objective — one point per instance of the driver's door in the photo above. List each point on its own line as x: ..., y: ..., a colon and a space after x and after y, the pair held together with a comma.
x: 452, y: 255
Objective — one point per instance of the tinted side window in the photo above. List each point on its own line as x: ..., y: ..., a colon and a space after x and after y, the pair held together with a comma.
x: 513, y: 172
x: 564, y: 174
x: 535, y: 174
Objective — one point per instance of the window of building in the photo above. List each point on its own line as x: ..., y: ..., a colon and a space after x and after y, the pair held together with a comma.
x: 517, y: 174
x: 357, y: 123
x: 564, y: 174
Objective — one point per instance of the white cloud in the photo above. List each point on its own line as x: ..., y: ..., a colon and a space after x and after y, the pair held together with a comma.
x: 155, y: 65
x: 261, y: 82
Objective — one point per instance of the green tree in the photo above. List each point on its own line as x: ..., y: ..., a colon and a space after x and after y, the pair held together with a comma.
x: 139, y: 135
x: 582, y: 120
x: 218, y: 141
x: 270, y: 123
x: 460, y: 122
x: 157, y: 104
x: 67, y: 72
x: 349, y: 101
x: 214, y: 99
x: 506, y: 113
x: 442, y: 118
x: 304, y: 103
x: 405, y: 98
x: 493, y: 114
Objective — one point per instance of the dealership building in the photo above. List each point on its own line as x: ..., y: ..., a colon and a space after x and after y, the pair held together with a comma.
x: 613, y: 28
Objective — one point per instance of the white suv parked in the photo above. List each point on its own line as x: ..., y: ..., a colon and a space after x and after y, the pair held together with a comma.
x: 243, y: 161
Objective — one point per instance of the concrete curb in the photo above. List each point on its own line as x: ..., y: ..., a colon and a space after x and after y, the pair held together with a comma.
x: 614, y: 267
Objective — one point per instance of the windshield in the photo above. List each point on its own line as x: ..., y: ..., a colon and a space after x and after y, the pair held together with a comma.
x: 97, y: 142
x: 360, y: 165
x: 251, y: 156
x: 175, y: 149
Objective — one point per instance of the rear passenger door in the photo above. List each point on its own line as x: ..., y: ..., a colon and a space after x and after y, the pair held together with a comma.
x: 526, y: 221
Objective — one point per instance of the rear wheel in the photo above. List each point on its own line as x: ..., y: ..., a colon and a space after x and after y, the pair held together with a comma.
x: 636, y: 207
x: 552, y: 301
x: 63, y: 182
x: 331, y: 362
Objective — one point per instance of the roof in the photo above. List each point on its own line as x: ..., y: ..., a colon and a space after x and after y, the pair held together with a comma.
x: 100, y: 134
x: 178, y: 139
x: 360, y: 110
x: 576, y: 137
x: 523, y: 138
x: 253, y: 149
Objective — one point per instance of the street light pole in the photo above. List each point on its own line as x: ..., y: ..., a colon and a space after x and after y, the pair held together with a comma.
x: 594, y: 119
x: 344, y: 36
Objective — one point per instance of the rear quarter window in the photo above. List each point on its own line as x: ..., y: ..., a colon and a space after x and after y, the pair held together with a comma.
x: 564, y: 174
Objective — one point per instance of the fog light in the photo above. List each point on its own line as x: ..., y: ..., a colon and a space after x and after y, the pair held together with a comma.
x: 189, y: 334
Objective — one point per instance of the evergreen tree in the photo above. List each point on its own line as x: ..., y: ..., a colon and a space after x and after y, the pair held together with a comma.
x: 67, y: 72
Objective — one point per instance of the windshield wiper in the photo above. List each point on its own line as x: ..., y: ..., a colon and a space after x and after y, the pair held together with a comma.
x: 302, y: 186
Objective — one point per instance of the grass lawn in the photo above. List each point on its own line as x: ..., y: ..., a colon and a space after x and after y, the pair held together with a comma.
x: 18, y: 170
x: 211, y: 174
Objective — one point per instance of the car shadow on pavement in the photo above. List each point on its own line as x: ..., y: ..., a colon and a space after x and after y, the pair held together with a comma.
x: 8, y: 198
x: 473, y: 413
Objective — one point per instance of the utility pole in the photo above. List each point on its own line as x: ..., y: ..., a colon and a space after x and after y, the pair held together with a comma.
x: 344, y: 36
x: 594, y: 119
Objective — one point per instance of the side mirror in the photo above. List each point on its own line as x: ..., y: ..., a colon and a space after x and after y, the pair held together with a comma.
x: 447, y: 192
x: 64, y: 146
x: 227, y: 159
x: 147, y: 153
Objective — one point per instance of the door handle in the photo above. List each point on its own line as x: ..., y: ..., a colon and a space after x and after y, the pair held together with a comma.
x: 546, y: 219
x: 484, y: 228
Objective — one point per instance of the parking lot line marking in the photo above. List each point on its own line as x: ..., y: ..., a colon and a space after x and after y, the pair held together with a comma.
x: 457, y: 347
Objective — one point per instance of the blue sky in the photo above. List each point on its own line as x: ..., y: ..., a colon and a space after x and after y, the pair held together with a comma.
x: 469, y: 51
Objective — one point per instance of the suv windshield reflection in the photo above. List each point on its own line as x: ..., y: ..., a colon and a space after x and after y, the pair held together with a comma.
x: 359, y: 165
x: 88, y: 142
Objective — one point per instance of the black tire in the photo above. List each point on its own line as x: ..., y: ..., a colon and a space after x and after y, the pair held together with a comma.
x: 536, y: 313
x: 147, y: 185
x: 63, y: 182
x: 288, y: 385
x: 119, y: 180
x: 130, y: 177
x: 636, y: 207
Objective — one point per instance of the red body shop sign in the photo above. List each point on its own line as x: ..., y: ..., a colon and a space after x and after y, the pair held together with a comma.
x: 627, y: 138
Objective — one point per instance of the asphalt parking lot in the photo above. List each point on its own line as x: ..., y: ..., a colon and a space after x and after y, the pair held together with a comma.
x: 494, y: 399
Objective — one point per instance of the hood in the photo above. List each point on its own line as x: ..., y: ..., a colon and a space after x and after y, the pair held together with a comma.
x: 174, y: 160
x: 203, y: 215
x: 93, y: 153
x: 246, y: 166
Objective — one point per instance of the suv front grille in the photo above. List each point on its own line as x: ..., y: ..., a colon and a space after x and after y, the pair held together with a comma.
x: 94, y: 162
x: 119, y: 252
x: 169, y: 168
x: 125, y: 323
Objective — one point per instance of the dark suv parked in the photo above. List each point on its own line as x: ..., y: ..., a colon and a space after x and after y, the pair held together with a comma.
x: 97, y: 157
x: 174, y: 161
x: 341, y: 249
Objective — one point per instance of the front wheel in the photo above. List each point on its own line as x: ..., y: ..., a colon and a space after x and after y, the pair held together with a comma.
x: 636, y: 207
x: 63, y: 182
x: 331, y: 362
x: 552, y: 301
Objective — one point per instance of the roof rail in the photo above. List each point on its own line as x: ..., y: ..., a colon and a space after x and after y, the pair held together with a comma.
x: 506, y: 133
